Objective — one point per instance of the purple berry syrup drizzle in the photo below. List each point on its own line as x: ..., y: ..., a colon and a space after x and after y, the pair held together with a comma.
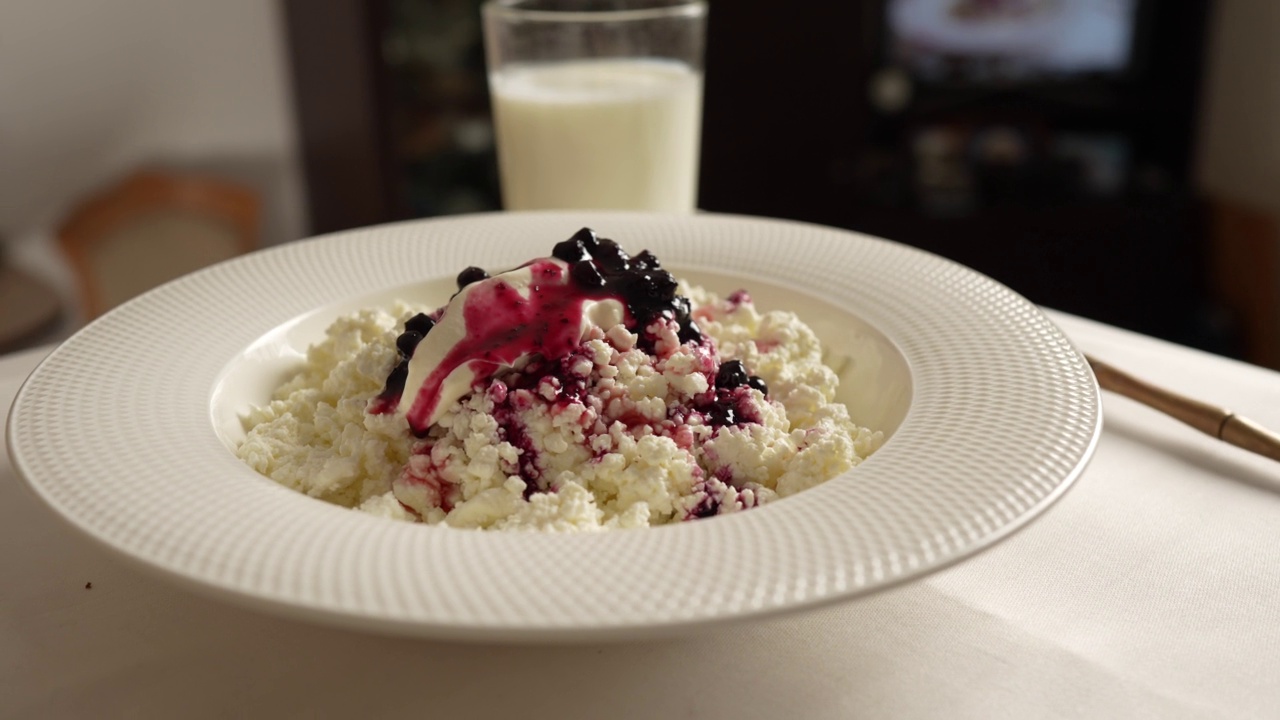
x: 503, y: 326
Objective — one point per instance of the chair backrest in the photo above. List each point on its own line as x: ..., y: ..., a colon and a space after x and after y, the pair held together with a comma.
x: 151, y: 228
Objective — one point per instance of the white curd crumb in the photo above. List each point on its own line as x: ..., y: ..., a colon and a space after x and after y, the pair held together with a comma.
x: 627, y: 431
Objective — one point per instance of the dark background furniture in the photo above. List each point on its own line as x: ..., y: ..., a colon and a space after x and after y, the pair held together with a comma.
x: 393, y: 114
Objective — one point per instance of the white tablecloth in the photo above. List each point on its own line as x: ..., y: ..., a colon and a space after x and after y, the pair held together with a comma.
x: 1152, y: 589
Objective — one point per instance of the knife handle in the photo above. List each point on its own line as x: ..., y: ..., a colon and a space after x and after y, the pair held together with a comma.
x: 1219, y: 422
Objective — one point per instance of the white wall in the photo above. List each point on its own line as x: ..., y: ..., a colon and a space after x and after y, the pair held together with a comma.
x: 1239, y: 151
x: 90, y: 89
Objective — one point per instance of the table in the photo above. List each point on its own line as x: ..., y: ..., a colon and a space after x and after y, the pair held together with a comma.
x: 1152, y: 589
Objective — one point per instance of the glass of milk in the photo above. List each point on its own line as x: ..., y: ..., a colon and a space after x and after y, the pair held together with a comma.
x: 597, y: 104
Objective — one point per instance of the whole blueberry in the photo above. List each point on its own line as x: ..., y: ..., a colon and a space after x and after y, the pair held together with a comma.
x: 756, y: 382
x: 420, y: 324
x: 407, y: 342
x: 731, y: 375
x: 395, y: 381
x: 470, y: 275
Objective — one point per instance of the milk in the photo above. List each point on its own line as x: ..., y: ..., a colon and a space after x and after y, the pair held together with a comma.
x: 606, y: 134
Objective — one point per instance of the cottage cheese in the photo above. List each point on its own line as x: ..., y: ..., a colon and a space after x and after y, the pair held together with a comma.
x: 618, y: 433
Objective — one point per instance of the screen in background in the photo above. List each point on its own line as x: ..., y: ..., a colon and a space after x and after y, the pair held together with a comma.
x: 997, y: 41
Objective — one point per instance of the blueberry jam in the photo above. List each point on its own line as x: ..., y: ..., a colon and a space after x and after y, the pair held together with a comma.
x: 502, y: 324
x: 601, y: 268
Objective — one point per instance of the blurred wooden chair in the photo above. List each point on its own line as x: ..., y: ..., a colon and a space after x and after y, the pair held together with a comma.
x: 151, y: 228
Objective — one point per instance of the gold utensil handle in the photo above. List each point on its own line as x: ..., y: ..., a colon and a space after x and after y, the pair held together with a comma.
x: 1247, y: 434
x: 1219, y: 422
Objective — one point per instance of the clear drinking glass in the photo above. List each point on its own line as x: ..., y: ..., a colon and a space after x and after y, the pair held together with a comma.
x: 597, y: 103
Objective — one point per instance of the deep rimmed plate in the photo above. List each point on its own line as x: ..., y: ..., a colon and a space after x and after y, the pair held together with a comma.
x: 122, y: 431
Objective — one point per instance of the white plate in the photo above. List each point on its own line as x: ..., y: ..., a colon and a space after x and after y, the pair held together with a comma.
x: 124, y: 432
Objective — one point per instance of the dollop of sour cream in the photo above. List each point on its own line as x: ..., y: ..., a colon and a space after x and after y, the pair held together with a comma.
x: 494, y: 324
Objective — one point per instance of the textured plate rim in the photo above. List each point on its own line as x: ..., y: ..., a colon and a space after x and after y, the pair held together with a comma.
x: 318, y: 602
